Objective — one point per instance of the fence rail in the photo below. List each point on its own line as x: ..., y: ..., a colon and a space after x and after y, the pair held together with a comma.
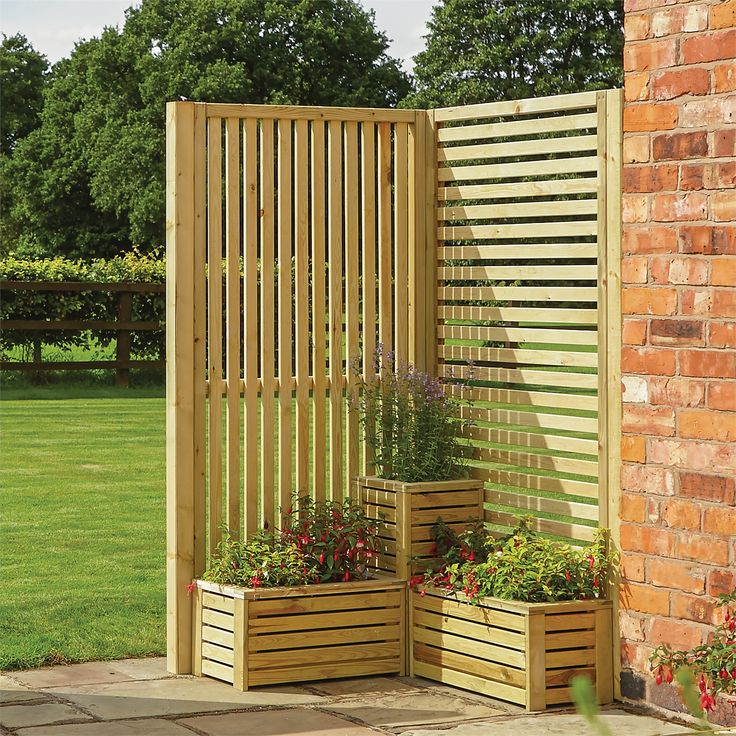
x: 124, y: 325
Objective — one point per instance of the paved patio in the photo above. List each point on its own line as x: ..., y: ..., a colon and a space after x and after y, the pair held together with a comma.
x: 137, y: 697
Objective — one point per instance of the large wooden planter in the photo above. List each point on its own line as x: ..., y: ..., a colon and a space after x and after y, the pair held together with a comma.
x: 408, y: 511
x: 525, y: 653
x: 251, y: 637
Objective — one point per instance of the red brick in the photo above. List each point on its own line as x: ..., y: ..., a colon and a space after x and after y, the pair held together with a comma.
x: 725, y: 175
x: 631, y: 626
x: 634, y: 332
x: 707, y: 363
x: 692, y: 454
x: 676, y: 332
x: 635, y: 655
x: 634, y: 270
x: 676, y: 574
x: 721, y: 582
x: 723, y: 270
x: 649, y: 361
x: 722, y: 396
x: 723, y: 206
x: 707, y: 487
x: 633, y: 449
x: 706, y: 47
x: 724, y: 303
x: 722, y: 334
x: 676, y: 392
x: 724, y: 143
x: 708, y: 240
x: 671, y: 84
x: 678, y: 146
x: 659, y: 421
x: 643, y: 300
x: 680, y: 514
x: 632, y: 567
x: 636, y: 149
x: 634, y: 208
x: 693, y: 271
x: 650, y: 178
x: 650, y: 240
x: 708, y: 111
x: 633, y: 507
x: 707, y: 425
x: 695, y: 302
x: 676, y: 207
x: 721, y: 521
x: 636, y: 27
x: 724, y: 77
x: 646, y: 598
x: 723, y: 14
x: 677, y: 634
x: 692, y: 607
x: 698, y: 176
x: 705, y: 549
x: 650, y: 117
x: 639, y: 57
x: 648, y: 479
x: 636, y: 87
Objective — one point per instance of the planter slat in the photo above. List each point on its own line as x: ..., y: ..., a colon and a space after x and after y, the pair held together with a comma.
x: 340, y: 669
x: 472, y: 630
x: 343, y: 602
x: 217, y: 636
x: 274, y: 642
x: 217, y: 670
x: 510, y: 657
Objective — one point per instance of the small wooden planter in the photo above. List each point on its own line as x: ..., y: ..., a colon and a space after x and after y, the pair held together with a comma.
x: 408, y: 511
x: 525, y: 653
x: 251, y: 637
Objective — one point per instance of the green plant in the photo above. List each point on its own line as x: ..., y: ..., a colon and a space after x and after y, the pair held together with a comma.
x: 409, y: 422
x: 713, y: 663
x: 524, y: 567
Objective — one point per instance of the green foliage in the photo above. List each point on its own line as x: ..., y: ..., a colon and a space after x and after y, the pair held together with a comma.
x: 82, y: 305
x: 714, y: 663
x: 584, y: 697
x: 488, y: 50
x: 319, y: 542
x: 525, y: 567
x: 409, y: 423
x: 90, y: 180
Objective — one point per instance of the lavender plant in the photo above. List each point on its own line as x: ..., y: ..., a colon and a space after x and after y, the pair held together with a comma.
x: 410, y: 424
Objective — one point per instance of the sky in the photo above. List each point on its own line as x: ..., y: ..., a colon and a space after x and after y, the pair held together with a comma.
x: 53, y: 26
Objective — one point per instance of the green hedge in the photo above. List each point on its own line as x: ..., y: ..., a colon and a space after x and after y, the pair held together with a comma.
x: 82, y: 305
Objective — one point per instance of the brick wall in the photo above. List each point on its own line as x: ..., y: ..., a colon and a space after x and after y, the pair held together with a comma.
x: 678, y: 513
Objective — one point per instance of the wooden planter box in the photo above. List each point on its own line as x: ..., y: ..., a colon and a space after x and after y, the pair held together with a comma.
x: 525, y: 653
x: 251, y: 637
x: 409, y: 510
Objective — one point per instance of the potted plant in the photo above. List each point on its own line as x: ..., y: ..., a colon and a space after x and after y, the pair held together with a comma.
x: 411, y: 432
x: 515, y: 619
x: 300, y: 603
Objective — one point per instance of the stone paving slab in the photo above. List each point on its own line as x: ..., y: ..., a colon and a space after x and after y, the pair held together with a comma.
x: 359, y: 685
x: 77, y: 674
x: 278, y: 723
x: 151, y: 668
x: 13, y: 692
x: 393, y: 710
x: 143, y: 727
x: 174, y: 696
x: 17, y: 716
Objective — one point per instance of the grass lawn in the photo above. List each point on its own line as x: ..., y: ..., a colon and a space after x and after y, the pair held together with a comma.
x: 82, y: 529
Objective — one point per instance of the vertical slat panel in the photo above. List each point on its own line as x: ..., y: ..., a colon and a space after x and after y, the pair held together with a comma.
x: 214, y: 328
x: 368, y: 215
x: 401, y: 205
x: 352, y: 305
x: 285, y: 312
x: 301, y: 268
x: 268, y: 428
x: 232, y: 245
x: 335, y: 306
x: 250, y: 324
x: 385, y: 260
x: 319, y: 353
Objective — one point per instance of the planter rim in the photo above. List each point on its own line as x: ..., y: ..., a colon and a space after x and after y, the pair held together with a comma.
x: 377, y: 582
x: 418, y: 486
x: 521, y: 606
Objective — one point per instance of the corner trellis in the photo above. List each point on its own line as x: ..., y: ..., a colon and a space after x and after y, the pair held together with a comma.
x: 300, y: 237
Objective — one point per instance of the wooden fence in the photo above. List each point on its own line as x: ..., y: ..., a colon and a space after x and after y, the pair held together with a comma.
x: 487, y: 233
x: 123, y: 325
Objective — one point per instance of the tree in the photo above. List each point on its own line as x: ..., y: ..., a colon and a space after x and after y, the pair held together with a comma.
x: 488, y: 50
x: 90, y: 179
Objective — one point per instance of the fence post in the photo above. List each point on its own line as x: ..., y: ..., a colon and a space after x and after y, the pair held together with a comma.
x: 180, y: 425
x: 122, y: 350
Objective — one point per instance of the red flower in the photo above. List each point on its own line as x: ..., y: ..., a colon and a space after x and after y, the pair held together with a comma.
x: 191, y: 587
x: 321, y: 558
x: 346, y: 576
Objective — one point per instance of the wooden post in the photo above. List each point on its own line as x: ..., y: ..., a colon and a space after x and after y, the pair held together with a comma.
x: 180, y: 334
x: 122, y: 349
x: 430, y: 257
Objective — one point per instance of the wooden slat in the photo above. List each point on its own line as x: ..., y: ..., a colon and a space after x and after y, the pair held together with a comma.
x: 532, y: 209
x: 401, y: 245
x: 312, y: 604
x: 567, y: 401
x: 217, y: 670
x: 218, y: 602
x: 385, y: 259
x: 519, y: 293
x: 518, y: 334
x: 519, y: 479
x: 72, y: 286
x: 488, y: 617
x: 79, y: 324
x: 274, y: 642
x: 582, y: 165
x: 326, y: 671
x: 301, y: 325
x: 518, y: 189
x: 285, y: 310
x: 218, y: 619
x: 218, y: 636
x: 569, y: 622
x: 524, y: 376
x: 546, y: 505
x: 517, y: 251
x: 519, y: 356
x: 567, y: 229
x: 217, y: 653
x: 539, y: 418
x: 310, y: 622
x: 527, y: 148
x: 531, y: 315
x: 539, y: 462
x: 232, y: 245
x: 517, y: 273
x: 323, y: 655
x: 336, y: 306
x: 518, y: 127
x: 307, y: 112
x: 319, y: 315
x: 479, y: 667
x: 268, y: 311
x: 528, y: 439
x: 558, y: 528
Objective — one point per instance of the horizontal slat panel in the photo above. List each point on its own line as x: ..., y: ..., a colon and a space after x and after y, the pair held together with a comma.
x: 547, y: 526
x: 518, y: 355
x: 518, y: 127
x: 269, y: 642
x: 537, y: 462
x: 581, y: 165
x: 529, y: 439
x: 546, y: 505
x: 536, y: 482
x: 519, y: 230
x: 530, y: 419
x: 517, y: 189
x: 521, y: 376
x: 517, y: 273
x: 518, y: 293
x: 517, y: 251
x: 530, y: 147
x: 533, y: 209
x: 518, y: 334
x: 519, y: 314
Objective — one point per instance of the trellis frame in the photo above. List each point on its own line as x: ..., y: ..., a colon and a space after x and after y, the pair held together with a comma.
x: 192, y: 521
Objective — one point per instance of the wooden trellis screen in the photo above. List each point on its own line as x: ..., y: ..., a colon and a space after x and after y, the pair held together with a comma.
x: 299, y: 238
